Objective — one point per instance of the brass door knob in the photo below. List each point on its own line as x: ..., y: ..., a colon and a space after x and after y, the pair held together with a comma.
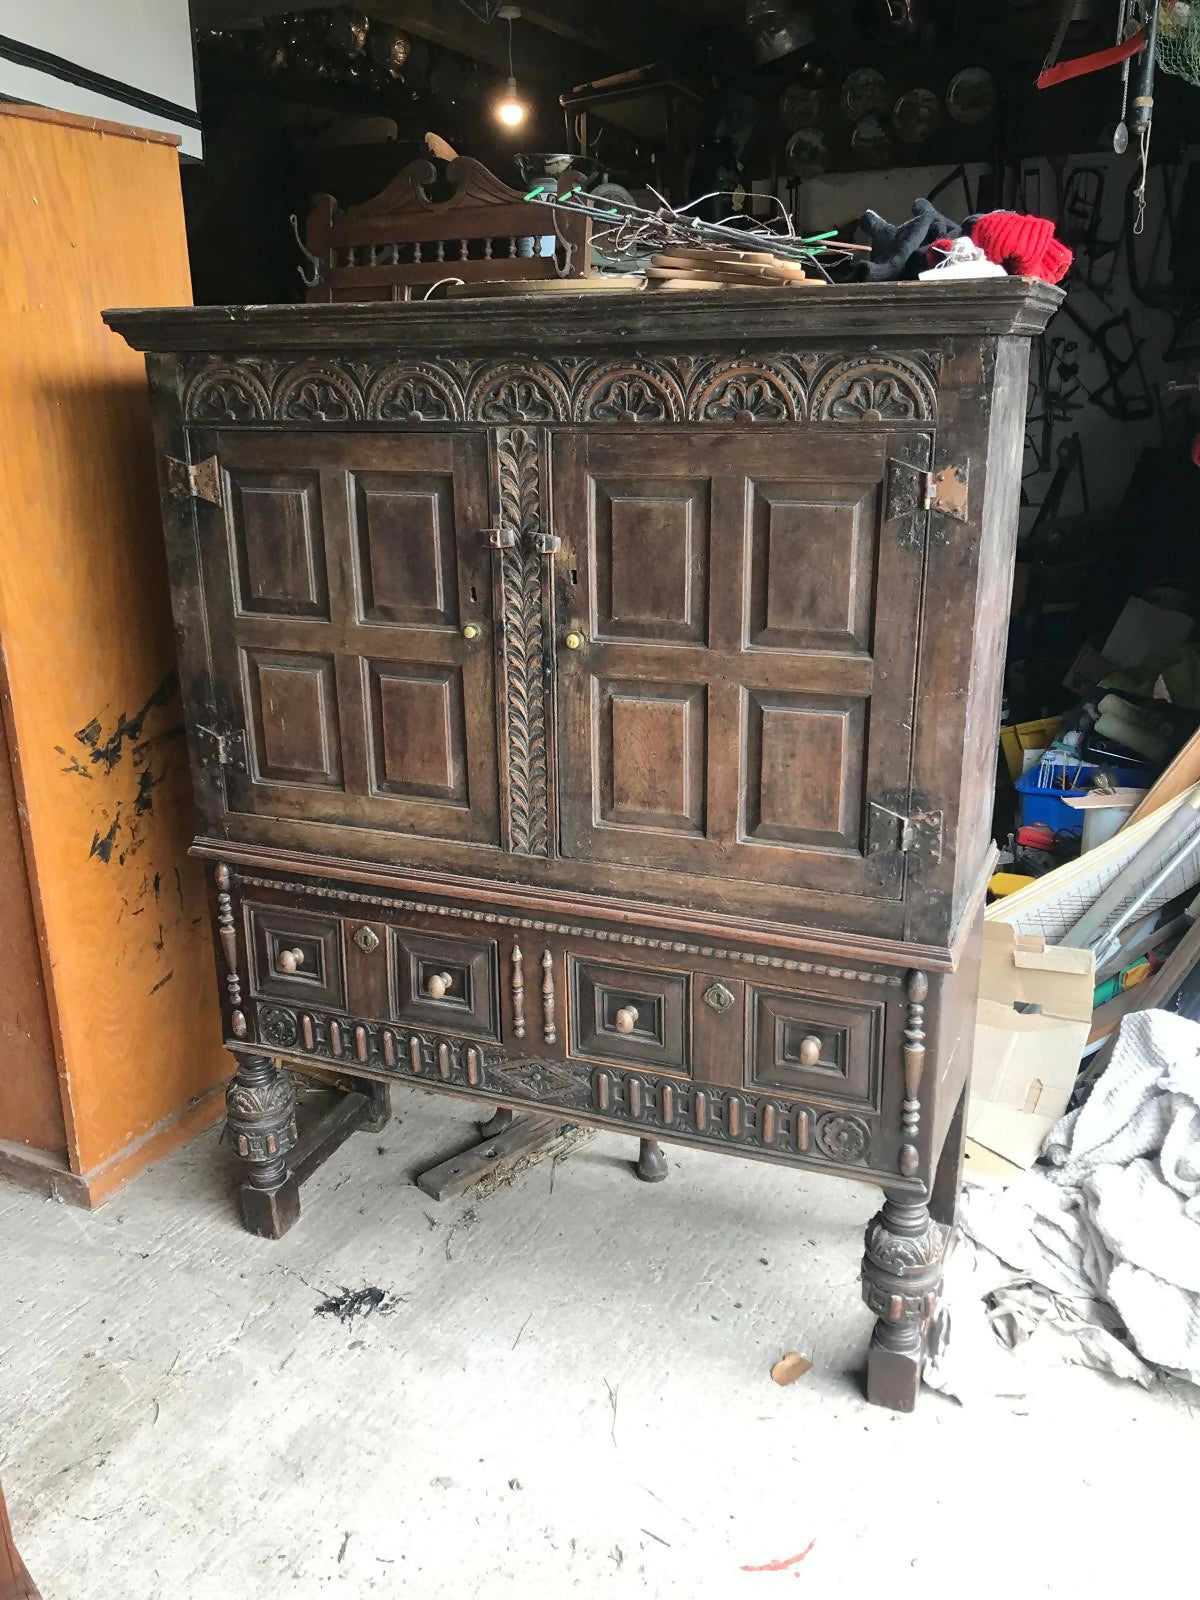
x: 574, y: 641
x: 470, y: 631
x: 290, y: 960
x: 437, y: 985
x: 810, y: 1050
x: 626, y: 1019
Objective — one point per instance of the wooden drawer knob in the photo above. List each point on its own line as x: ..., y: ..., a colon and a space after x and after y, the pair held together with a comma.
x: 810, y: 1050
x: 626, y: 1019
x: 437, y: 985
x: 291, y: 960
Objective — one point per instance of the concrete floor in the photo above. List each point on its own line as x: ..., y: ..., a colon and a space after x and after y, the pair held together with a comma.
x: 570, y: 1396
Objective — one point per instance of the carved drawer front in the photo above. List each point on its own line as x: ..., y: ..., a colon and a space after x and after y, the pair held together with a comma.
x: 816, y: 1047
x: 444, y: 983
x: 629, y: 1015
x: 297, y: 956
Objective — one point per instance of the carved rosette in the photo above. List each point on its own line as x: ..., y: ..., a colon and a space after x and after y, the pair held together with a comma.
x: 518, y: 466
x: 873, y: 389
x: 419, y: 393
x: 260, y: 1107
x: 278, y: 1027
x: 843, y: 1137
x: 801, y: 386
x: 227, y: 393
x: 317, y: 392
x: 630, y: 392
x: 747, y: 391
x: 902, y: 1271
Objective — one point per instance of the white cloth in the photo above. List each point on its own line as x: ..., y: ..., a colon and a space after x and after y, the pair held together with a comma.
x: 1097, y: 1254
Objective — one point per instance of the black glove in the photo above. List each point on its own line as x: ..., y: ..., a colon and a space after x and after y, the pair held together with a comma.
x: 898, y: 248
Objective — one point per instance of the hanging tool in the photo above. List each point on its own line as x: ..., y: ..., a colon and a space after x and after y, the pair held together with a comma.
x: 1143, y: 114
x: 1055, y: 71
x: 1120, y: 138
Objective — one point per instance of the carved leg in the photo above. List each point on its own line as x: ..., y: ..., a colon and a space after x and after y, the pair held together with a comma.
x: 651, y: 1166
x: 261, y: 1108
x: 500, y: 1119
x: 947, y: 1179
x: 901, y: 1280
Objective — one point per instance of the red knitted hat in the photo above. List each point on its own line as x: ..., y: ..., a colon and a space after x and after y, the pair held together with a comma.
x: 1022, y: 244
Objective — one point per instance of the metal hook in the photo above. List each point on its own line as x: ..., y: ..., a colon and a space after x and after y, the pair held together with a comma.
x: 309, y: 283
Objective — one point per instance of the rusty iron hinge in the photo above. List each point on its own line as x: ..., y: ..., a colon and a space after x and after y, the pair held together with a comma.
x: 912, y: 491
x: 229, y: 746
x: 946, y: 490
x: 199, y: 480
x: 915, y: 833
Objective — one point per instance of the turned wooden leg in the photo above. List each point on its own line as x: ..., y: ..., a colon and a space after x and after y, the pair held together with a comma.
x: 500, y: 1119
x: 261, y: 1118
x: 901, y: 1281
x: 651, y: 1166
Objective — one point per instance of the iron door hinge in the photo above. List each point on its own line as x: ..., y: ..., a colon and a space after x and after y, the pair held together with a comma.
x: 915, y: 833
x: 197, y: 480
x: 913, y: 491
x: 228, y: 746
x: 946, y: 490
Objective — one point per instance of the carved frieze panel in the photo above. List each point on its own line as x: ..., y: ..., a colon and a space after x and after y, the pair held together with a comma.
x: 873, y: 388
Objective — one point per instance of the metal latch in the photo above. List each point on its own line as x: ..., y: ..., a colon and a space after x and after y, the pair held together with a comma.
x: 230, y: 746
x: 502, y: 538
x: 199, y: 480
x: 546, y: 543
x: 916, y: 833
x: 946, y: 491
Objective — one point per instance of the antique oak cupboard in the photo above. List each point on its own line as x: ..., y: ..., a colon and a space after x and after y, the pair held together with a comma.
x: 593, y: 706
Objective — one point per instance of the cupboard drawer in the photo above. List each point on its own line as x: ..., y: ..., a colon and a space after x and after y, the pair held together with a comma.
x: 629, y: 1015
x: 296, y: 956
x: 443, y: 982
x: 816, y: 1047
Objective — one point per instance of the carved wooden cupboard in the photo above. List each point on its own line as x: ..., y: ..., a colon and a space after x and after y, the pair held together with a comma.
x: 592, y: 706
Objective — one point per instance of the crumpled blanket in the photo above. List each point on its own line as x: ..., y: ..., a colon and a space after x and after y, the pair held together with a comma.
x: 1094, y: 1257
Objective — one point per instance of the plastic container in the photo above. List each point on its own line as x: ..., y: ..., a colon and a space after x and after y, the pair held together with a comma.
x: 1048, y: 806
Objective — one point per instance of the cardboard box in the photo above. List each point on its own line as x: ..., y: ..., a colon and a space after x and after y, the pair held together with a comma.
x: 1031, y: 1028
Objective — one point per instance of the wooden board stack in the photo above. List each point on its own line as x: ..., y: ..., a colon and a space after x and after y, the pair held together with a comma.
x: 686, y: 268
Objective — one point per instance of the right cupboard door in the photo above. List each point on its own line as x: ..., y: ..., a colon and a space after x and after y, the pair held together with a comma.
x: 737, y: 688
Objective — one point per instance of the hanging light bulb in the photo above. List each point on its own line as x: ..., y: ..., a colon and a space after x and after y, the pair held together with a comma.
x: 511, y: 110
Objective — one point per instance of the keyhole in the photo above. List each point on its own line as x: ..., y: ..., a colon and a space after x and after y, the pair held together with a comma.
x: 474, y: 596
x: 575, y: 575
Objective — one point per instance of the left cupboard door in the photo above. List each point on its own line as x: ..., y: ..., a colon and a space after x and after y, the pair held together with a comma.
x: 346, y: 595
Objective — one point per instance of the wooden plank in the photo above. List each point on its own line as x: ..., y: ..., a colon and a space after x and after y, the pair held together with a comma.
x: 1158, y: 987
x: 85, y: 623
x: 1182, y: 773
x: 72, y: 119
x: 522, y: 1137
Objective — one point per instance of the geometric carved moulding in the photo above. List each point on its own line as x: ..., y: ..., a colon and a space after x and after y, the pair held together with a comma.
x: 870, y: 387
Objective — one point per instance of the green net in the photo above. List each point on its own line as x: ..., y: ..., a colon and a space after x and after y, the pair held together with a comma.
x: 1179, y: 39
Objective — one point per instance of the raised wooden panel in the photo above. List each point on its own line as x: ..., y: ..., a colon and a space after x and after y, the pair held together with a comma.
x: 814, y: 1046
x: 444, y: 983
x: 651, y: 552
x: 294, y: 734
x: 417, y: 732
x: 628, y: 1015
x: 281, y: 938
x: 650, y: 747
x: 804, y: 768
x: 278, y: 542
x: 811, y: 573
x: 405, y: 547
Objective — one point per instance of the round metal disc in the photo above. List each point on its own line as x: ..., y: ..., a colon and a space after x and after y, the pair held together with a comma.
x: 971, y: 95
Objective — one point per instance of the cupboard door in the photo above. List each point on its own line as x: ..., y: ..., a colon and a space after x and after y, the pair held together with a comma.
x: 339, y: 574
x: 738, y: 684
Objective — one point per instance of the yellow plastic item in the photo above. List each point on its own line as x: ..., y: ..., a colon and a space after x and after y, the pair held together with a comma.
x: 1022, y: 736
x: 1002, y: 883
